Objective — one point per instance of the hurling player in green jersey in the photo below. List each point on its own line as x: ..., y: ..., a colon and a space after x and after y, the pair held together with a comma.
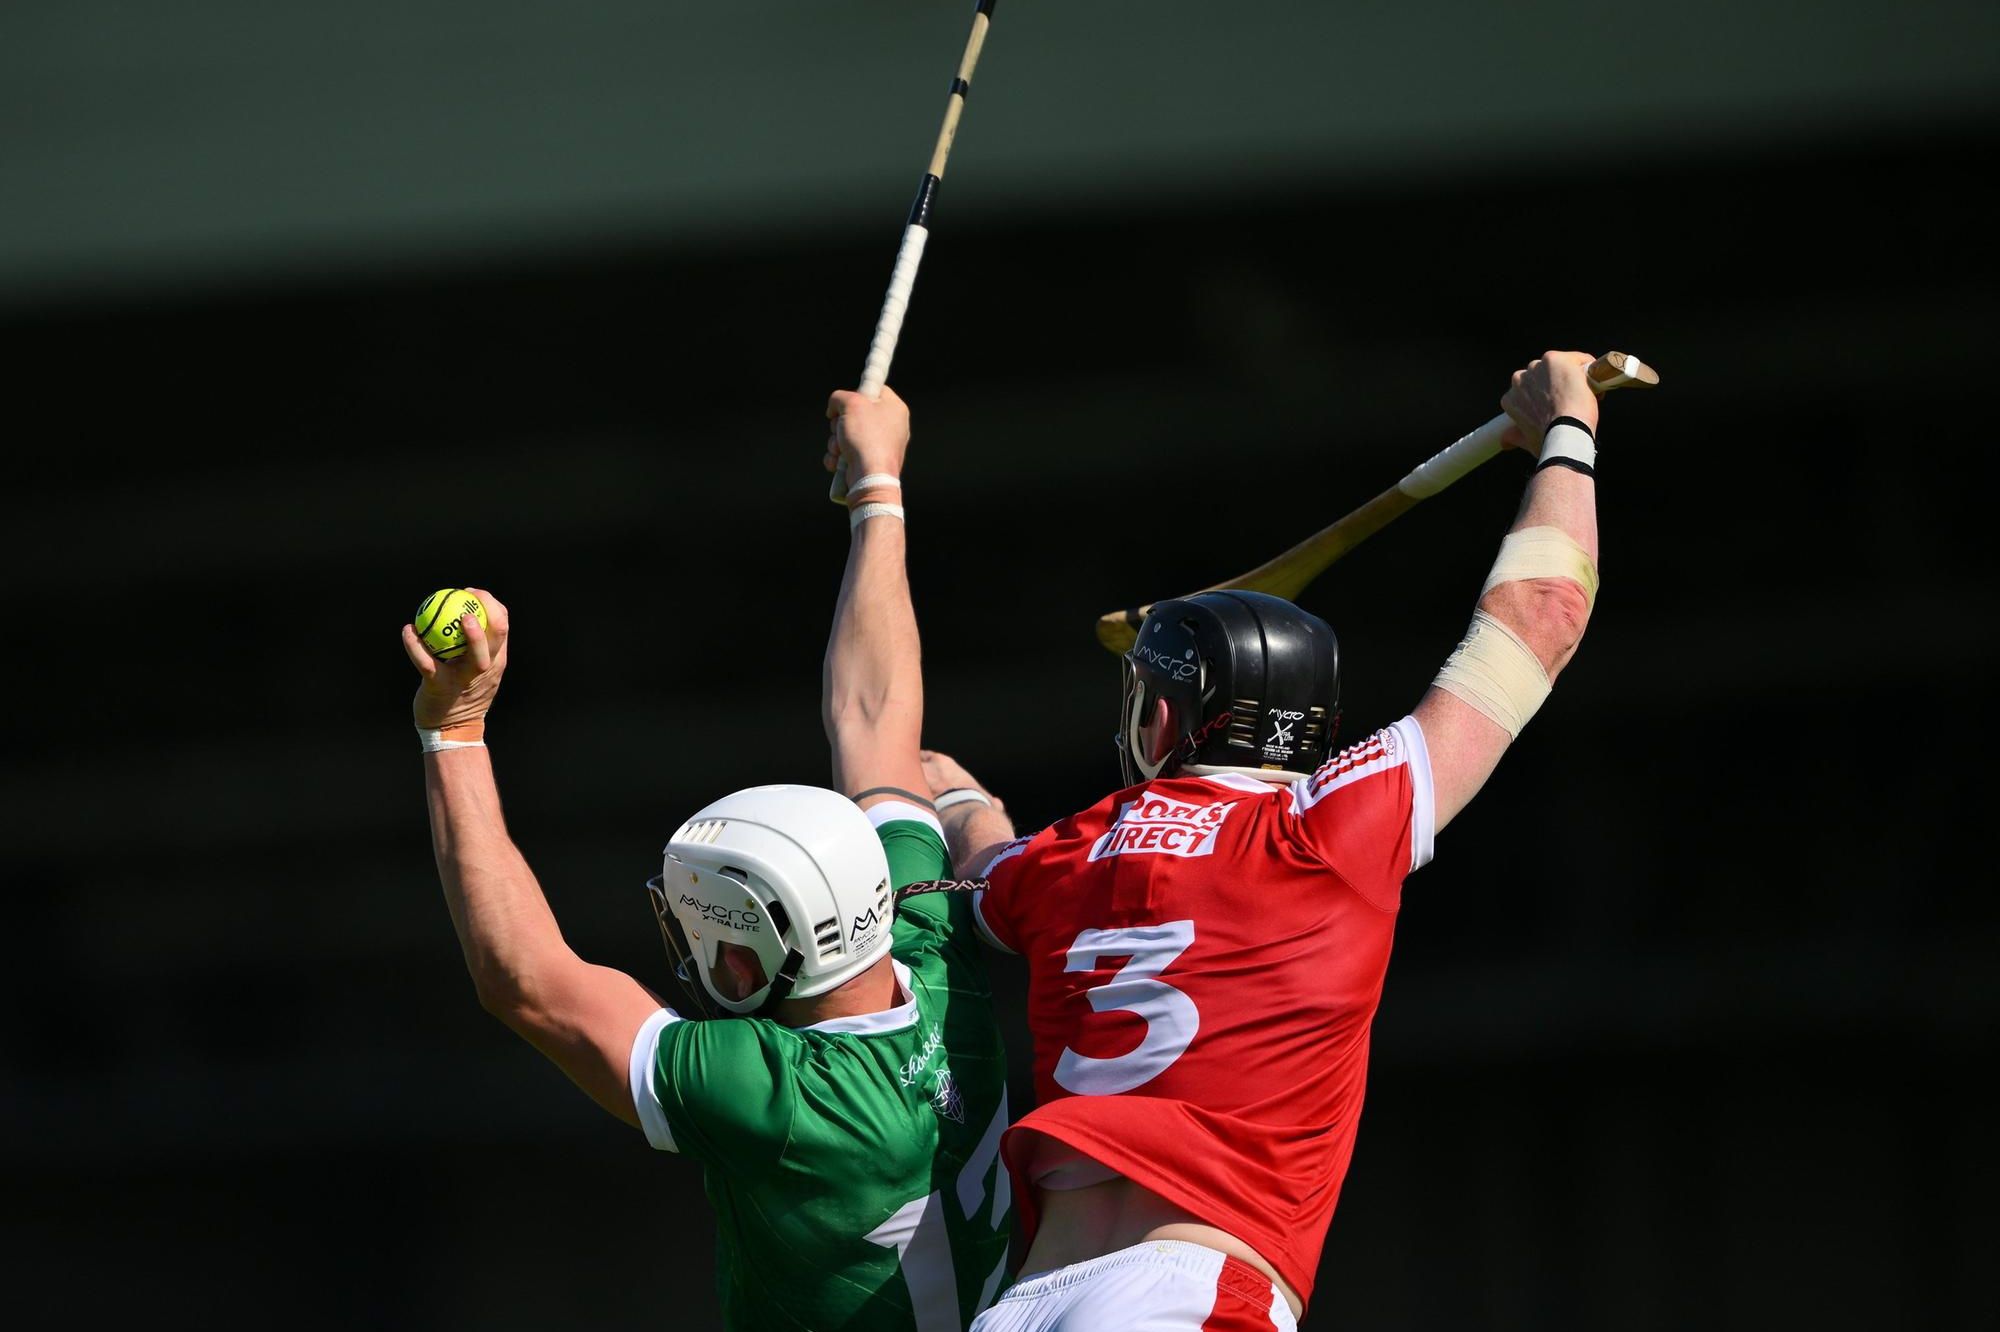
x: 834, y: 1065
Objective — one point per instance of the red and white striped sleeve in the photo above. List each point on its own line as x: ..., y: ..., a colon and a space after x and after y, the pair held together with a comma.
x: 1369, y: 811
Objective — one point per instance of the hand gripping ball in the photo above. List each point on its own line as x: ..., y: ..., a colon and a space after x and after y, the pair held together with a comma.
x: 437, y: 621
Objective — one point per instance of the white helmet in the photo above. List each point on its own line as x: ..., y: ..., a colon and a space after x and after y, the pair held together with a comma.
x: 795, y: 873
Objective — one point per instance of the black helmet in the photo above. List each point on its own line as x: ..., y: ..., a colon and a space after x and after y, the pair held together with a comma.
x: 1252, y: 684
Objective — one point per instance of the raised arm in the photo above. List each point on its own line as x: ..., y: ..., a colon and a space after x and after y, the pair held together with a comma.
x: 583, y: 1017
x: 1536, y: 601
x: 872, y: 699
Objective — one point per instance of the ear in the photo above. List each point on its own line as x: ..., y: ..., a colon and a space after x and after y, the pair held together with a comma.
x: 1157, y: 732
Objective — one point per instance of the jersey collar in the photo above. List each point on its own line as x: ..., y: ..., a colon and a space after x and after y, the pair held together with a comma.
x: 882, y: 1023
x: 1241, y: 781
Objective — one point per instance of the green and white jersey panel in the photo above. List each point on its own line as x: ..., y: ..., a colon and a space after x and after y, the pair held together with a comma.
x: 853, y: 1165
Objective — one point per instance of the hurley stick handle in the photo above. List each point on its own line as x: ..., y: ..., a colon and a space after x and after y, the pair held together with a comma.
x: 1613, y: 370
x: 1290, y: 573
x: 903, y: 278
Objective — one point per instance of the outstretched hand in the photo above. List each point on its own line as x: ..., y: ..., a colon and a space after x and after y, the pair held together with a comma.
x: 458, y: 692
x: 1554, y: 384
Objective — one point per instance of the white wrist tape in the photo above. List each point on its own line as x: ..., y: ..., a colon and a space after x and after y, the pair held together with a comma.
x: 1497, y: 674
x: 1543, y: 552
x: 958, y: 796
x: 861, y: 513
x: 874, y: 479
x: 1568, y: 443
x: 434, y: 741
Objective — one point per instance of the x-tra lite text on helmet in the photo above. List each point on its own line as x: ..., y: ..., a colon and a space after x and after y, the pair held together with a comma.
x: 1251, y: 682
x: 795, y: 873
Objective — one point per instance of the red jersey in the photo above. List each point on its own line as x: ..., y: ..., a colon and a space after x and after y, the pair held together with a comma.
x: 1205, y: 955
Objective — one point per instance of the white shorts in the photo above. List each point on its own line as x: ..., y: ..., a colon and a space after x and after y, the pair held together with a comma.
x: 1158, y: 1286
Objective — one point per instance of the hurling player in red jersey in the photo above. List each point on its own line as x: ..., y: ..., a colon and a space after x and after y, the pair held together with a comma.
x: 1206, y: 947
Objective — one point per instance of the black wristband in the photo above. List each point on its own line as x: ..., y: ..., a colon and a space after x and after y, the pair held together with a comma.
x: 910, y: 796
x: 1574, y: 465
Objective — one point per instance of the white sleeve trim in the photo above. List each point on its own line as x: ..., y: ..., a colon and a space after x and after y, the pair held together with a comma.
x: 1423, y: 794
x: 1007, y: 852
x: 645, y: 1057
x: 902, y: 811
x: 979, y: 919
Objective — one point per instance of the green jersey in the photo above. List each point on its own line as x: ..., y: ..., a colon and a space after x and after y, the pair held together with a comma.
x: 854, y: 1165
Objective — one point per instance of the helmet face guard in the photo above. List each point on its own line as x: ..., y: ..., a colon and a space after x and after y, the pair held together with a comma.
x: 1250, y: 680
x: 679, y: 955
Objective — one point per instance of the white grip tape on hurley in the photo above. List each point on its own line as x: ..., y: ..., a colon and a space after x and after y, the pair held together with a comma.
x: 894, y: 306
x: 1450, y: 464
x: 888, y: 327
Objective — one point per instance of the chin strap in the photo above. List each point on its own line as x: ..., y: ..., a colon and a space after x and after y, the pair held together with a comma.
x: 781, y: 988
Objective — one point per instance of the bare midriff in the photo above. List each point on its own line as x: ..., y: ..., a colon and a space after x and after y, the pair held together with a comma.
x: 1089, y: 1222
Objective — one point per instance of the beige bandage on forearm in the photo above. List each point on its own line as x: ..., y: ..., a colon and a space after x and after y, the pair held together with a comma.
x: 1544, y: 552
x: 1493, y: 671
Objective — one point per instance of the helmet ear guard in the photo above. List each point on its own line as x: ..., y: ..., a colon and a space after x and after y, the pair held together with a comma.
x: 1252, y: 683
x: 698, y: 912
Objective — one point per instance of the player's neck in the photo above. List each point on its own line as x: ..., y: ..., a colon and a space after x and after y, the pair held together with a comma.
x: 873, y: 991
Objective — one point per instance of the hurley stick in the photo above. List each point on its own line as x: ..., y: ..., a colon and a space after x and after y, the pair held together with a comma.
x: 889, y: 324
x: 1288, y: 574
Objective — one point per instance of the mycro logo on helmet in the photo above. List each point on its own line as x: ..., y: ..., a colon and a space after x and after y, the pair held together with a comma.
x: 724, y: 916
x: 1178, y: 668
x: 1155, y: 825
x: 1282, y: 721
x: 865, y: 924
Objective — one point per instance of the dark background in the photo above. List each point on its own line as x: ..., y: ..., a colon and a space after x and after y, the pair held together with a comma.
x: 1686, y: 1020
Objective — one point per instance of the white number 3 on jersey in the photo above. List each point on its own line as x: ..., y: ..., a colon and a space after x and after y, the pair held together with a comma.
x: 1170, y: 1016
